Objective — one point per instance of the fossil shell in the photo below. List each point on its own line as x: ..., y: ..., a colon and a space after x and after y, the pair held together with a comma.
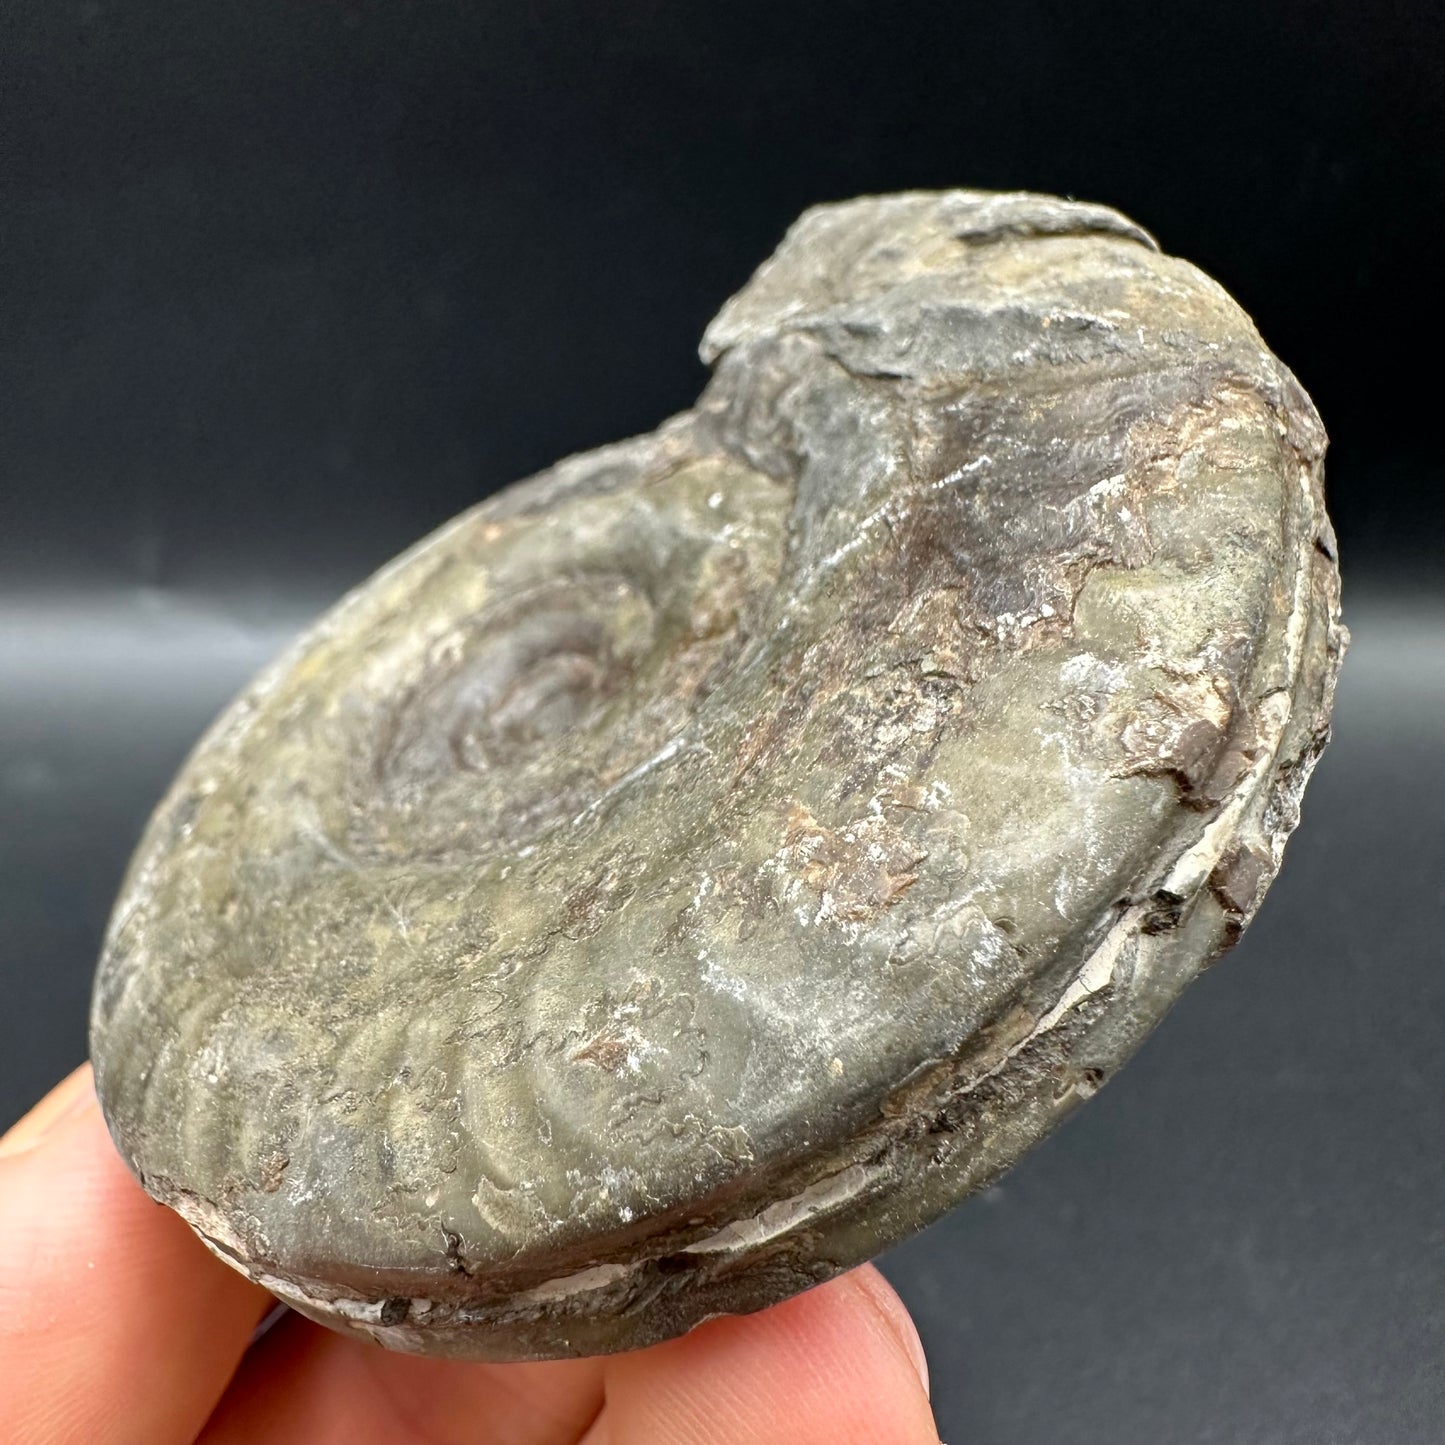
x: 694, y: 869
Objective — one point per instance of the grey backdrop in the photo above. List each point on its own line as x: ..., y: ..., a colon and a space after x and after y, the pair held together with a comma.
x: 285, y: 286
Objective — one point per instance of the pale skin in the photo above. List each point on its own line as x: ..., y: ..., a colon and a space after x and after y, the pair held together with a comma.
x: 118, y: 1328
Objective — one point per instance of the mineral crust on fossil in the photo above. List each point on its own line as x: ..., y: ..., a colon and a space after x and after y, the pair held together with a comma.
x: 696, y: 868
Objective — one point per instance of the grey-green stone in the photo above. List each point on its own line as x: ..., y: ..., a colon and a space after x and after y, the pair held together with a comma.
x: 696, y: 868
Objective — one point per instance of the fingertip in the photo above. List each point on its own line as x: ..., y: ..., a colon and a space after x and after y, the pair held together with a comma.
x: 880, y: 1295
x: 837, y: 1364
x: 74, y: 1092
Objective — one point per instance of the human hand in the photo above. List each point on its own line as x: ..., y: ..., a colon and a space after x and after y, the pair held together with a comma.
x: 117, y: 1327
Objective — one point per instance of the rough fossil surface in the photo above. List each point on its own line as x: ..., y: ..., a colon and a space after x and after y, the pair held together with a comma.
x: 699, y: 866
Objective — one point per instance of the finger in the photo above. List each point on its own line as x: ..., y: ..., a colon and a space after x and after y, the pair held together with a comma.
x: 74, y: 1092
x: 839, y: 1365
x: 116, y: 1325
x: 305, y: 1385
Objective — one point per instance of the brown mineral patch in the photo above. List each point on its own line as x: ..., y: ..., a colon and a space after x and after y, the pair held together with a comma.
x: 587, y: 907
x: 1182, y: 733
x: 273, y: 1166
x: 858, y: 870
x: 1237, y: 880
x: 606, y: 1053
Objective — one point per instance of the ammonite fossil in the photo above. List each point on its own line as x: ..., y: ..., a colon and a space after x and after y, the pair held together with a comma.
x: 699, y: 866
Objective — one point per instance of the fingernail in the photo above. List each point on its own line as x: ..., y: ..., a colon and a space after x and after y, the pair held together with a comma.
x: 73, y: 1094
x: 896, y: 1317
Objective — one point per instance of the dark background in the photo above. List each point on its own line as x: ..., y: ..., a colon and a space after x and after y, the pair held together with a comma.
x: 286, y: 285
